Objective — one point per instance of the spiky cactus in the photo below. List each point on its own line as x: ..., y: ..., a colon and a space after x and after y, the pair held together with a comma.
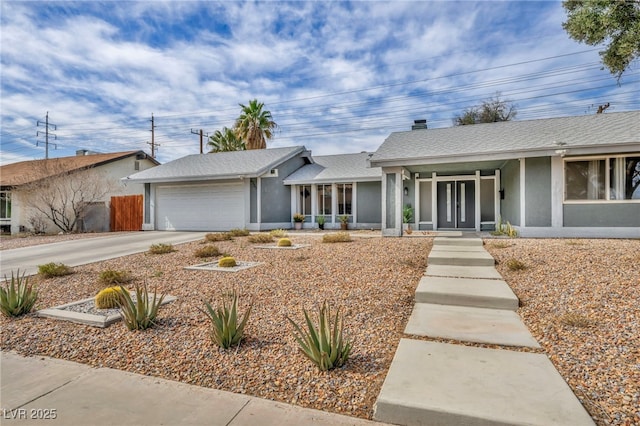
x: 108, y: 298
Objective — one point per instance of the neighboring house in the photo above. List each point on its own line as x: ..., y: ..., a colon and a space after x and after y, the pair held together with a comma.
x: 259, y: 190
x: 335, y: 186
x: 19, y: 179
x: 572, y: 176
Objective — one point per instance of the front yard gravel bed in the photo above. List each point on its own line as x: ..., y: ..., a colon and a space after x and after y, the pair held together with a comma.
x: 372, y: 279
x: 595, y: 283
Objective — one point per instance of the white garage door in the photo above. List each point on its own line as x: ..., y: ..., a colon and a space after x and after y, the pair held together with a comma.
x: 214, y: 207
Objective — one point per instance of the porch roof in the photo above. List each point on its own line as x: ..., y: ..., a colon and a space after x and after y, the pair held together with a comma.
x: 219, y: 166
x: 336, y: 169
x: 579, y: 135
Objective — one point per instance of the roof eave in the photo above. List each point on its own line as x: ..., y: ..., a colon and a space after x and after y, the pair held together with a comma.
x: 177, y: 179
x: 507, y: 155
x: 329, y: 181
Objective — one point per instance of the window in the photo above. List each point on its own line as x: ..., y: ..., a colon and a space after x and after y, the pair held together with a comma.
x: 5, y: 205
x: 611, y: 178
x: 304, y: 202
x: 344, y: 198
x: 324, y: 200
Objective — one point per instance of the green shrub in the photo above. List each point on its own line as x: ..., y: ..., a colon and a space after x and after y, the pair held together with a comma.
x: 207, y: 251
x: 110, y: 276
x: 215, y: 237
x: 108, y: 298
x: 161, y: 248
x: 225, y: 330
x: 278, y: 233
x: 324, y: 344
x: 227, y: 262
x: 337, y: 237
x: 49, y: 270
x: 142, y: 313
x: 260, y: 238
x: 17, y: 297
x: 515, y: 265
x: 284, y: 242
x: 237, y: 232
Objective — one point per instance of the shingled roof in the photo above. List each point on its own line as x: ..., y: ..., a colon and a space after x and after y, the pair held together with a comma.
x: 511, y: 139
x: 221, y: 165
x: 336, y: 168
x: 16, y: 174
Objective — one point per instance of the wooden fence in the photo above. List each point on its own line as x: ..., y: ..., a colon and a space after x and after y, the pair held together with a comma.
x: 126, y: 213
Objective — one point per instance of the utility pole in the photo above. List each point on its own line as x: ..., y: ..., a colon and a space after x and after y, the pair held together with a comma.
x: 153, y: 140
x: 46, y: 134
x: 201, y: 141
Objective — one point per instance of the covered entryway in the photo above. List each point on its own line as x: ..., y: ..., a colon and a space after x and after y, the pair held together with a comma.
x: 206, y: 207
x: 456, y: 204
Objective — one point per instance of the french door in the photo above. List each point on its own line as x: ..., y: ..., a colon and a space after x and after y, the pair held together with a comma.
x: 456, y: 204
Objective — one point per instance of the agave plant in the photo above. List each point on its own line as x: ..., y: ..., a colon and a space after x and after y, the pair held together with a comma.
x: 324, y: 344
x: 17, y: 297
x: 141, y: 314
x: 225, y: 330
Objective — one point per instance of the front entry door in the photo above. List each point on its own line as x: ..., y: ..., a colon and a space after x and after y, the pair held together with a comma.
x: 457, y: 204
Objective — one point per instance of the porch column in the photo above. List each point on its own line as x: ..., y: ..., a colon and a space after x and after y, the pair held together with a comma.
x: 477, y: 201
x: 392, y: 202
x: 557, y: 192
x: 522, y: 193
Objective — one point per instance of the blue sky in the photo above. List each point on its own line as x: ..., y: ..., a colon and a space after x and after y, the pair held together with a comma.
x: 338, y: 77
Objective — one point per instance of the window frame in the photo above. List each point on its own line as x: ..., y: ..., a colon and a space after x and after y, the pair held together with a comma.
x: 340, y: 192
x: 7, y: 208
x: 322, y: 200
x: 608, y: 161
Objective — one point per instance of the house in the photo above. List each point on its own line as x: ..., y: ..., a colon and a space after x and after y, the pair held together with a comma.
x: 22, y: 182
x: 257, y: 190
x: 559, y: 177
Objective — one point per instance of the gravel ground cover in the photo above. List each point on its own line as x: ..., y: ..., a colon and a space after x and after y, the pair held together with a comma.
x: 580, y: 300
x: 372, y: 279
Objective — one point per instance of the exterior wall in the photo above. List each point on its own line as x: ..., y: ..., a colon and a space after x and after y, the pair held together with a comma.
x: 538, y: 191
x: 98, y: 219
x: 276, y: 197
x: 602, y: 215
x: 510, y: 206
x: 368, y: 202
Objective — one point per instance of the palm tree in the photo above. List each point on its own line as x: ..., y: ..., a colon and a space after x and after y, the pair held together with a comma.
x: 225, y: 140
x: 254, y: 126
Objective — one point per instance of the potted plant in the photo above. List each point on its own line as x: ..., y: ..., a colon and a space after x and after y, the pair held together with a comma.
x: 320, y: 219
x: 298, y: 218
x: 344, y: 222
x: 407, y: 218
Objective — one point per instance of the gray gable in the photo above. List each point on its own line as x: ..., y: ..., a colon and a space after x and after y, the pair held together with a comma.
x: 336, y: 168
x: 222, y: 165
x: 510, y: 139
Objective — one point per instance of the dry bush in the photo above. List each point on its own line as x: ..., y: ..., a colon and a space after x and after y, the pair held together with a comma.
x: 338, y: 237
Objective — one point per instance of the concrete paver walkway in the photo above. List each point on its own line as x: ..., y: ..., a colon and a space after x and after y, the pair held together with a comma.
x: 463, y: 298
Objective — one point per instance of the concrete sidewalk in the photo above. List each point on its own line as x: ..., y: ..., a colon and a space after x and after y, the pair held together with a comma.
x: 42, y: 390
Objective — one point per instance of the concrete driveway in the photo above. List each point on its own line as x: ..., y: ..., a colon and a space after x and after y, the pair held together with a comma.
x: 89, y: 250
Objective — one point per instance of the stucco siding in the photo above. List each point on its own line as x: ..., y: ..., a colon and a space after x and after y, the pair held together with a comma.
x: 369, y: 202
x: 602, y: 215
x: 510, y: 205
x: 538, y: 191
x: 276, y: 197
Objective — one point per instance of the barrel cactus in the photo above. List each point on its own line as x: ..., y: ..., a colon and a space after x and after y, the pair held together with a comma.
x: 284, y: 242
x: 227, y: 262
x: 108, y: 298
